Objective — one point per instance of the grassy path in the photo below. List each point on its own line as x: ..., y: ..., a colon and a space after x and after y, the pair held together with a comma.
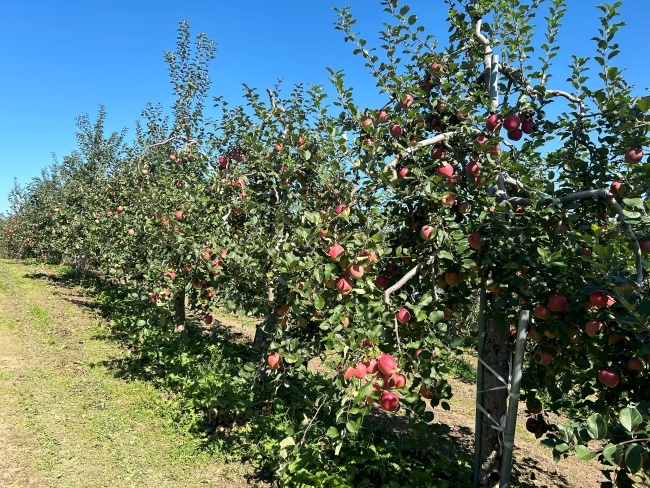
x: 65, y: 419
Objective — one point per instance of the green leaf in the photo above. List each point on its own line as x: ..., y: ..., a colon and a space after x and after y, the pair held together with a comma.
x: 596, y: 426
x: 633, y: 457
x: 630, y: 418
x: 583, y: 453
x: 332, y: 432
x: 287, y: 442
x: 612, y: 454
x: 319, y: 302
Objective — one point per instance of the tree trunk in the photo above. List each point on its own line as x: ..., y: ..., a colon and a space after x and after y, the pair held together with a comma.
x: 496, y: 354
x: 179, y: 311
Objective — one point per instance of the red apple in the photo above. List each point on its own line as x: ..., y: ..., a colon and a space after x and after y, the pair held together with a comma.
x: 389, y: 401
x: 403, y: 316
x: 608, y: 377
x: 407, y: 100
x: 448, y: 199
x: 515, y: 134
x: 496, y: 149
x: 381, y: 281
x: 436, y: 69
x: 424, y: 391
x: 344, y: 286
x: 398, y: 381
x: 493, y: 123
x: 635, y: 364
x: 403, y: 172
x: 511, y: 122
x: 475, y: 240
x: 356, y: 271
x: 464, y: 208
x: 445, y: 170
x: 207, y: 318
x: 179, y: 215
x: 340, y: 208
x: 473, y: 167
x: 274, y: 360
x: 534, y: 334
x: 345, y: 322
x: 349, y: 373
x: 542, y: 358
x: 600, y: 299
x: 335, y: 251
x: 633, y: 155
x: 371, y: 366
x: 482, y: 139
x: 360, y: 371
x: 593, y: 327
x: 131, y: 232
x: 426, y: 232
x: 534, y: 406
x: 438, y: 153
x: 557, y: 303
x: 277, y: 147
x: 396, y: 130
x: 542, y: 312
x: 528, y: 126
x: 387, y: 364
x: 452, y: 279
x: 368, y: 122
x: 382, y: 115
x: 223, y: 161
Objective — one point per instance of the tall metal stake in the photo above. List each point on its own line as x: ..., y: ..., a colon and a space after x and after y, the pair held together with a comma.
x: 513, y: 399
x: 478, y: 436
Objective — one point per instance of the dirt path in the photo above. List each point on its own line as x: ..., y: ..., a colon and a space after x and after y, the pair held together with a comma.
x: 65, y: 420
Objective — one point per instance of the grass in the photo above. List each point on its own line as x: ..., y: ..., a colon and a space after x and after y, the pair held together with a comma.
x: 81, y: 425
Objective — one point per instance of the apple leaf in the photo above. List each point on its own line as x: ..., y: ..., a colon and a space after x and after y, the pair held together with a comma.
x: 332, y: 432
x: 319, y: 302
x: 287, y: 442
x: 583, y: 453
x: 596, y: 426
x: 633, y: 457
x: 612, y: 454
x: 630, y: 418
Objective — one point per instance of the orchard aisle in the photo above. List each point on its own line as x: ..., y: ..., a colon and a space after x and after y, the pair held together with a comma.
x: 65, y: 419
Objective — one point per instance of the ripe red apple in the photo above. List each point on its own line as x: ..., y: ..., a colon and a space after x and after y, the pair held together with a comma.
x: 475, y: 240
x: 349, y: 373
x: 464, y: 208
x: 207, y: 318
x: 473, y: 167
x: 448, y: 199
x: 407, y: 100
x: 345, y: 322
x: 445, y: 170
x: 335, y: 251
x: 600, y: 299
x: 608, y: 377
x: 493, y: 123
x: 173, y: 157
x: 403, y: 172
x: 542, y: 358
x: 389, y: 401
x: 396, y: 130
x: 360, y: 370
x: 528, y: 126
x: 635, y: 364
x: 633, y: 155
x: 344, y: 286
x: 179, y: 215
x: 398, y: 381
x: 511, y: 122
x: 274, y: 360
x: 438, y: 153
x: 277, y: 147
x: 387, y: 364
x: 170, y: 274
x: 560, y: 228
x: 403, y: 316
x: 356, y: 271
x: 534, y: 334
x: 426, y: 232
x: 615, y: 187
x: 436, y: 69
x: 532, y: 425
x: 424, y: 391
x: 515, y: 134
x: 371, y: 366
x: 131, y: 232
x: 382, y: 115
x: 368, y: 122
x: 381, y: 281
x: 452, y: 279
x: 593, y: 327
x: 557, y: 303
x: 644, y: 244
x: 482, y: 139
x: 496, y: 149
x: 223, y: 161
x: 542, y: 312
x: 340, y: 208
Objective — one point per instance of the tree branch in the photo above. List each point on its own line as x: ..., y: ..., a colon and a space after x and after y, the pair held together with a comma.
x: 407, y: 277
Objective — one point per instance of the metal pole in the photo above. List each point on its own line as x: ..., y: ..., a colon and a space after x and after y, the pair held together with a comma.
x: 513, y: 399
x: 478, y: 425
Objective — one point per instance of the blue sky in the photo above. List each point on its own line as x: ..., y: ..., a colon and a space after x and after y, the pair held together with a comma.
x: 64, y: 59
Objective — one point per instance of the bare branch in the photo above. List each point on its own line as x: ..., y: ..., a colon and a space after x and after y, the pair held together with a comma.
x: 420, y: 144
x: 407, y: 277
